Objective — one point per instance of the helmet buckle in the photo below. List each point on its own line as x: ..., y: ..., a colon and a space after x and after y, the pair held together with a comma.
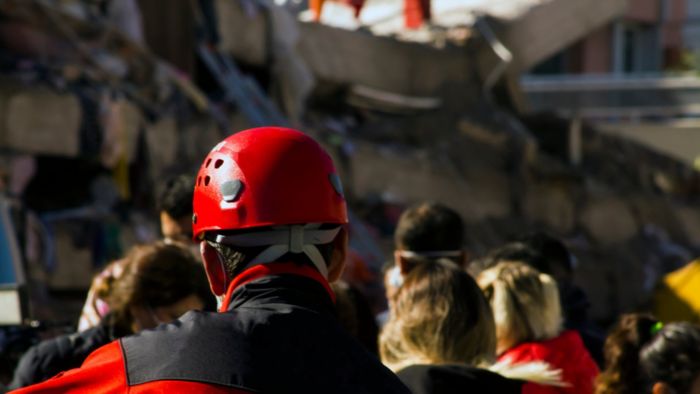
x: 296, y: 239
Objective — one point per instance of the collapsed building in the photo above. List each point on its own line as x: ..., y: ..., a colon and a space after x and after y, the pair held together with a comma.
x: 434, y: 114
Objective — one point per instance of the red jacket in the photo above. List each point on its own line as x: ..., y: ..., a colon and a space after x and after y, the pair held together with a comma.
x: 277, y: 333
x: 565, y: 352
x: 104, y: 372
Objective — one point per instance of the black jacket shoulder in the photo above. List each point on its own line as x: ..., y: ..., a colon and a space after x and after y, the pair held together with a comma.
x: 49, y: 357
x: 280, y: 336
x: 456, y: 379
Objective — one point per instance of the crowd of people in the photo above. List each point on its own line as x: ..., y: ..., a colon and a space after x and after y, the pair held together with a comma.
x: 265, y: 238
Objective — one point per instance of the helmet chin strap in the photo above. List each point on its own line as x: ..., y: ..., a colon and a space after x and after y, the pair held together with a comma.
x: 285, y: 239
x: 223, y: 271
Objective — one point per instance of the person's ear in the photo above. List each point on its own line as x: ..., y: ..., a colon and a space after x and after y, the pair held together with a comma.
x: 662, y: 388
x: 170, y: 227
x: 340, y: 253
x: 214, y: 268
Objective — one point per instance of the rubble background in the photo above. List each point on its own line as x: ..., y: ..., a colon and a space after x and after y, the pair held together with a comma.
x: 406, y: 122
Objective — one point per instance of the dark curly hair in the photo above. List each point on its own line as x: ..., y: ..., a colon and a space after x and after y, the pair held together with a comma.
x: 673, y: 356
x: 637, y: 356
x: 175, y: 196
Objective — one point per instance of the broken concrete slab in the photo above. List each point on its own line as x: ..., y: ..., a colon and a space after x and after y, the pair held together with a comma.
x: 417, y: 175
x: 552, y: 204
x: 162, y: 141
x: 531, y: 40
x: 608, y: 220
x: 503, y: 48
x: 348, y: 57
x: 22, y: 130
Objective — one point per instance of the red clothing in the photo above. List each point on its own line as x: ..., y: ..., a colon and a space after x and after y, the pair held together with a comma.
x: 565, y: 352
x: 317, y: 6
x: 416, y: 12
x: 103, y: 372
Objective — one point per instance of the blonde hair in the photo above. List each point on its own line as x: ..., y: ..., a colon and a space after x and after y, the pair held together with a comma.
x: 439, y: 316
x: 525, y: 303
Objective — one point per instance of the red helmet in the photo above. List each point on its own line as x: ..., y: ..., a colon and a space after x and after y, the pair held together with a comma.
x: 268, y: 176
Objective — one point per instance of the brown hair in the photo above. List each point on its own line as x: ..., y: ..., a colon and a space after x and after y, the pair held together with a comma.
x: 155, y: 275
x: 355, y: 314
x: 429, y: 227
x: 439, y: 316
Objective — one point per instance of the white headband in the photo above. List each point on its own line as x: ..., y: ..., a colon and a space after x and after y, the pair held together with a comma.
x: 433, y: 254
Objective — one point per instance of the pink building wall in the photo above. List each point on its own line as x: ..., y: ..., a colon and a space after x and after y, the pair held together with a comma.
x: 657, y: 30
x: 646, y: 11
x: 673, y: 29
x: 596, y: 52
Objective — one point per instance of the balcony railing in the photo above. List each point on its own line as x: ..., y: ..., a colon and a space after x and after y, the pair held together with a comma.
x: 614, y: 95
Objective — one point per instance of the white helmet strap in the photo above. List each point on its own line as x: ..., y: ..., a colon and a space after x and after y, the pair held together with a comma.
x: 285, y: 239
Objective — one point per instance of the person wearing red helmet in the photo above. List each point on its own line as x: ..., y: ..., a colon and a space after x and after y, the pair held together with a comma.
x: 270, y: 216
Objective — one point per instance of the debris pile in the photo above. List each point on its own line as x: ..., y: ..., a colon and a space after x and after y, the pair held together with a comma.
x: 407, y: 121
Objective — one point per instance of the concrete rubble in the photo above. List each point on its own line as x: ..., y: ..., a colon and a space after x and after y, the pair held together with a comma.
x: 407, y: 121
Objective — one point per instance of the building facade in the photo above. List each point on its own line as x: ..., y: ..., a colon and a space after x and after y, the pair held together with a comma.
x: 652, y: 37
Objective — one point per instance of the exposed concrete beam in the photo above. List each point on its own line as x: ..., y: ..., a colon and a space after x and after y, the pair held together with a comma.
x: 348, y: 57
x: 384, y: 63
x: 553, y: 26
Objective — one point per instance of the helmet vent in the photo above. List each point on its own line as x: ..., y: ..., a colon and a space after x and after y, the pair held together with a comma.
x: 199, y: 181
x: 208, y: 162
x: 218, y: 163
x: 206, y: 180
